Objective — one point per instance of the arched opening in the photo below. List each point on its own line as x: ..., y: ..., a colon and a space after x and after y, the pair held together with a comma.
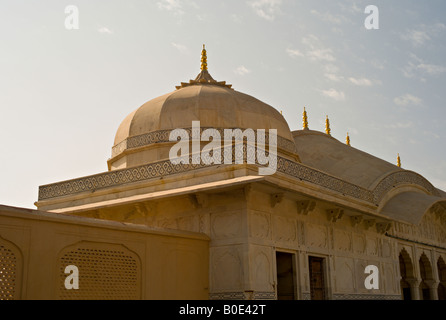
x: 441, y: 267
x: 406, y: 272
x: 426, y: 274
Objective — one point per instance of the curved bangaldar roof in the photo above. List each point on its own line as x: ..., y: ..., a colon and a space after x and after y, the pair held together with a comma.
x: 214, y: 103
x: 322, y: 151
x: 407, y: 196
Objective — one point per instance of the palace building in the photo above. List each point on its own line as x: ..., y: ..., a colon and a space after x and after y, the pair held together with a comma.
x: 151, y: 229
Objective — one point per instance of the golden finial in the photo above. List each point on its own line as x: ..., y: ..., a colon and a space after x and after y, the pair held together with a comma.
x: 305, y: 120
x: 327, y: 126
x: 204, y: 59
x: 347, y: 140
x: 398, y: 161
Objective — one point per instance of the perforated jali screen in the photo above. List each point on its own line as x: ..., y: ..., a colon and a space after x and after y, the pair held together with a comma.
x: 103, y: 274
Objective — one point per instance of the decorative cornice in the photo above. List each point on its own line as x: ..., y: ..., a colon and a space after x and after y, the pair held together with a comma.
x: 285, y: 166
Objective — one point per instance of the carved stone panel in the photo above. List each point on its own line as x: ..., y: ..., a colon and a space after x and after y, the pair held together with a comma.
x: 342, y: 240
x: 226, y: 269
x: 386, y: 249
x: 372, y: 246
x: 260, y: 225
x: 390, y: 280
x: 359, y: 243
x: 344, y: 274
x: 261, y: 270
x: 317, y: 235
x: 284, y: 229
x: 225, y: 225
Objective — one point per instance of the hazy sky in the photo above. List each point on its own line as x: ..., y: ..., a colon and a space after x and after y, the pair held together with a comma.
x: 63, y: 93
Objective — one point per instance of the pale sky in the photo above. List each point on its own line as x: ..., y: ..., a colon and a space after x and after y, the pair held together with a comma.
x: 63, y: 93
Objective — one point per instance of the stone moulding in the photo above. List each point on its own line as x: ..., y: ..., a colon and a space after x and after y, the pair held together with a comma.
x: 297, y: 170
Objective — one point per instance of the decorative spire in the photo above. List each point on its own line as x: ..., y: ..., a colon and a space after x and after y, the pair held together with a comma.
x: 305, y: 120
x: 327, y: 126
x: 203, y: 78
x: 398, y: 161
x: 347, y: 140
x: 204, y: 59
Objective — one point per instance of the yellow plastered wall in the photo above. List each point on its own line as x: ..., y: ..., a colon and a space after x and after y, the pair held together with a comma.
x: 115, y: 260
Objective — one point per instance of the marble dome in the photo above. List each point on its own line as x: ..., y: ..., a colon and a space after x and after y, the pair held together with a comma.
x: 143, y: 136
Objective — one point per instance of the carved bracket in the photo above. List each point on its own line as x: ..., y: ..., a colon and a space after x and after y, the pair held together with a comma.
x: 199, y: 200
x: 383, y: 227
x: 305, y: 206
x: 334, y: 214
x: 276, y: 198
x: 369, y: 223
x: 356, y: 220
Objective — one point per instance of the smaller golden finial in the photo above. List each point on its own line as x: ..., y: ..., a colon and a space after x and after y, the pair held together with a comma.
x: 327, y: 126
x: 204, y: 59
x: 305, y: 120
x: 281, y: 112
x: 347, y: 140
x: 398, y: 161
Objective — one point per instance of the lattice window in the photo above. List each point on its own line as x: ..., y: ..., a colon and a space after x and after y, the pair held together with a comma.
x: 103, y: 274
x: 8, y: 273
